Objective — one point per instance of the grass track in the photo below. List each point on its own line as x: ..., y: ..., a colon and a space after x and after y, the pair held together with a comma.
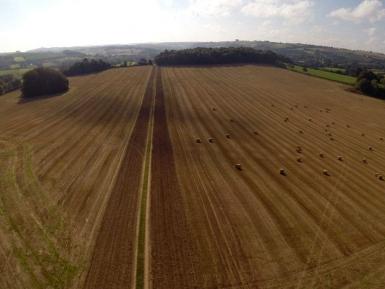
x: 143, y: 230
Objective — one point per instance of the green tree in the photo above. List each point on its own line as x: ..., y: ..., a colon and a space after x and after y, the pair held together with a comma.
x: 44, y: 81
x: 365, y: 86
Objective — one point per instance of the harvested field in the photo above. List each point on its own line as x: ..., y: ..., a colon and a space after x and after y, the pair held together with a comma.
x: 60, y: 161
x: 321, y: 224
x: 208, y: 177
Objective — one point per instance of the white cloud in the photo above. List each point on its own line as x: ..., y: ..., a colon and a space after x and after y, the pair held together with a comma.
x: 372, y: 10
x: 213, y: 7
x: 372, y: 35
x: 371, y: 31
x: 288, y: 9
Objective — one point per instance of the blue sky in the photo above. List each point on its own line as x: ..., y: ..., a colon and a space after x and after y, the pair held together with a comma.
x: 28, y: 24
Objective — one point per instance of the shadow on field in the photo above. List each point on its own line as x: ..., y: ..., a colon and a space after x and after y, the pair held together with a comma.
x: 23, y: 99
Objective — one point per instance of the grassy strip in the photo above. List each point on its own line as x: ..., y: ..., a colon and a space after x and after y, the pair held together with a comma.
x: 344, y: 79
x: 140, y: 258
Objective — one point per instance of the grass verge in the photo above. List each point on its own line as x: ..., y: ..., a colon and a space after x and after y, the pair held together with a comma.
x: 142, y: 230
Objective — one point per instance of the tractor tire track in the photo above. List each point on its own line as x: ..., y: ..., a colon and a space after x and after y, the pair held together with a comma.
x: 113, y: 262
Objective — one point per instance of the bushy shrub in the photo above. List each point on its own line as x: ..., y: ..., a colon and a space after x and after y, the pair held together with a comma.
x: 365, y: 86
x: 370, y: 84
x: 44, y: 81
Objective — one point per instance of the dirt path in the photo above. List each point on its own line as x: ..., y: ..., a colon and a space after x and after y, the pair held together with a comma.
x: 113, y: 263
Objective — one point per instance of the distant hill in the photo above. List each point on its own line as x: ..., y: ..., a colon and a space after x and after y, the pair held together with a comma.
x: 303, y: 54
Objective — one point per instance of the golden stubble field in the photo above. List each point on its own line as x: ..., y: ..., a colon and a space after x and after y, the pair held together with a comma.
x: 130, y: 180
x: 59, y: 158
x: 321, y: 225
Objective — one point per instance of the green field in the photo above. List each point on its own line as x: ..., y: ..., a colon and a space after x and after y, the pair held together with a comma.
x: 16, y: 72
x: 345, y: 79
x: 19, y: 59
x: 333, y: 69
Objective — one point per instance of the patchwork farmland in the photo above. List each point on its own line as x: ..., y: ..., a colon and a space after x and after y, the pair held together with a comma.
x: 205, y: 177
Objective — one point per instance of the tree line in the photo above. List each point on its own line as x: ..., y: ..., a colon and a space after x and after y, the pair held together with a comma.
x: 9, y: 83
x: 86, y: 66
x: 210, y: 56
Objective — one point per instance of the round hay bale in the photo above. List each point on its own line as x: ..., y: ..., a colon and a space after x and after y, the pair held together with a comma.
x: 211, y: 140
x: 238, y: 167
x: 381, y: 178
x: 300, y: 160
x: 365, y: 161
x: 301, y: 131
x: 371, y: 149
x: 340, y: 158
x: 198, y: 140
x: 322, y: 155
x: 298, y: 149
x: 228, y: 135
x: 326, y: 172
x: 282, y: 172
